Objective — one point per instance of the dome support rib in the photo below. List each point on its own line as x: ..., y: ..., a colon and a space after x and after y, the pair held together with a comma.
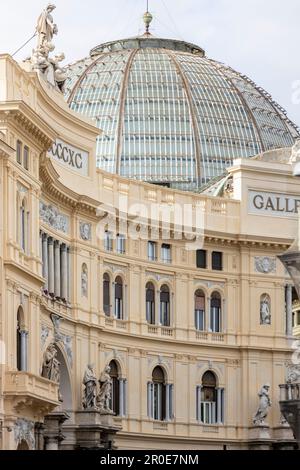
x: 82, y: 77
x: 186, y: 87
x: 121, y: 111
x: 247, y: 107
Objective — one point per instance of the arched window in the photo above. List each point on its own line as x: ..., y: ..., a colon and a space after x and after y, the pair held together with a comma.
x: 216, y: 313
x: 200, y: 310
x: 119, y: 313
x: 115, y: 395
x: 165, y: 306
x: 106, y: 294
x: 160, y: 397
x: 118, y: 395
x: 210, y: 400
x: 21, y: 342
x: 150, y: 303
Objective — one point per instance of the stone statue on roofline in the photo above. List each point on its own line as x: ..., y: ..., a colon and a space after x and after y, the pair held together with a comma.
x: 41, y: 60
x: 46, y: 28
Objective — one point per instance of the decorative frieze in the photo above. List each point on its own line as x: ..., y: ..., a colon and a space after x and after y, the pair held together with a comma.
x: 209, y: 284
x: 159, y: 277
x: 50, y: 215
x: 113, y: 268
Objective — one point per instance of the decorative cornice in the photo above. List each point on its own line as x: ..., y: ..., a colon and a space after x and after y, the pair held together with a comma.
x: 53, y: 187
x: 20, y: 114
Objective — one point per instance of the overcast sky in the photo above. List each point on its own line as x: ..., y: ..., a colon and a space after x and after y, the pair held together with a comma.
x: 257, y: 37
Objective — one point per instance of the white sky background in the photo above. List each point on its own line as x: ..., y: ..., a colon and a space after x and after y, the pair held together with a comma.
x: 259, y: 38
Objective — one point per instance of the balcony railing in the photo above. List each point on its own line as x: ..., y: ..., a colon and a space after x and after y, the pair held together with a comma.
x: 290, y: 392
x: 209, y: 336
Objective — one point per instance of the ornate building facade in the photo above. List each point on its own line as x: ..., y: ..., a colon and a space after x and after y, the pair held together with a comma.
x: 131, y: 314
x: 190, y: 333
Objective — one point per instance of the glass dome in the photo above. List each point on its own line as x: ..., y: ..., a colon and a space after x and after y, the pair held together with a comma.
x: 169, y: 114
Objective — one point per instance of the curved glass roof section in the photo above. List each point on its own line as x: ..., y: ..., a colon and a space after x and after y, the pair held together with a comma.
x: 170, y: 115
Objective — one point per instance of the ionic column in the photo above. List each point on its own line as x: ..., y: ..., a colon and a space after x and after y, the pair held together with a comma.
x: 64, y: 272
x: 224, y: 317
x: 114, y: 298
x: 219, y: 406
x: 289, y: 310
x: 125, y: 306
x: 69, y: 274
x: 167, y: 402
x: 121, y: 397
x: 23, y: 345
x: 57, y: 268
x: 50, y: 266
x: 45, y: 258
x: 158, y: 309
x: 208, y: 316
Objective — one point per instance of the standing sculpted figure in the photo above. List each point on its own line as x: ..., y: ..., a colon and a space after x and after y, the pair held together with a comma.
x: 45, y: 26
x: 41, y: 59
x: 104, y: 397
x: 51, y: 364
x: 264, y: 405
x: 265, y: 311
x: 51, y: 367
x: 90, y: 383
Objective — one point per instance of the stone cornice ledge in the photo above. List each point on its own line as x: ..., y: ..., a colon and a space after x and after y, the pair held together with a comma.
x: 52, y: 186
x: 20, y: 113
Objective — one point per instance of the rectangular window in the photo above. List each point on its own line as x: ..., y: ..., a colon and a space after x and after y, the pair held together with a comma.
x: 150, y: 312
x: 108, y: 242
x: 152, y: 247
x: 201, y: 259
x: 19, y: 152
x: 166, y: 253
x: 121, y: 244
x: 210, y: 412
x: 26, y: 158
x: 200, y: 320
x: 217, y: 261
x: 165, y: 313
x: 215, y: 316
x: 106, y: 297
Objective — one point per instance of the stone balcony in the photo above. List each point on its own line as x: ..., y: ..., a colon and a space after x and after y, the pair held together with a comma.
x: 24, y: 388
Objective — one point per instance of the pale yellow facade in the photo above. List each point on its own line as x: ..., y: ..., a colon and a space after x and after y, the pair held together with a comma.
x: 243, y: 354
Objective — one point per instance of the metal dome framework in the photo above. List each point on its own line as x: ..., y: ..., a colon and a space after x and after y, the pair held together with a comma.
x: 169, y: 114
